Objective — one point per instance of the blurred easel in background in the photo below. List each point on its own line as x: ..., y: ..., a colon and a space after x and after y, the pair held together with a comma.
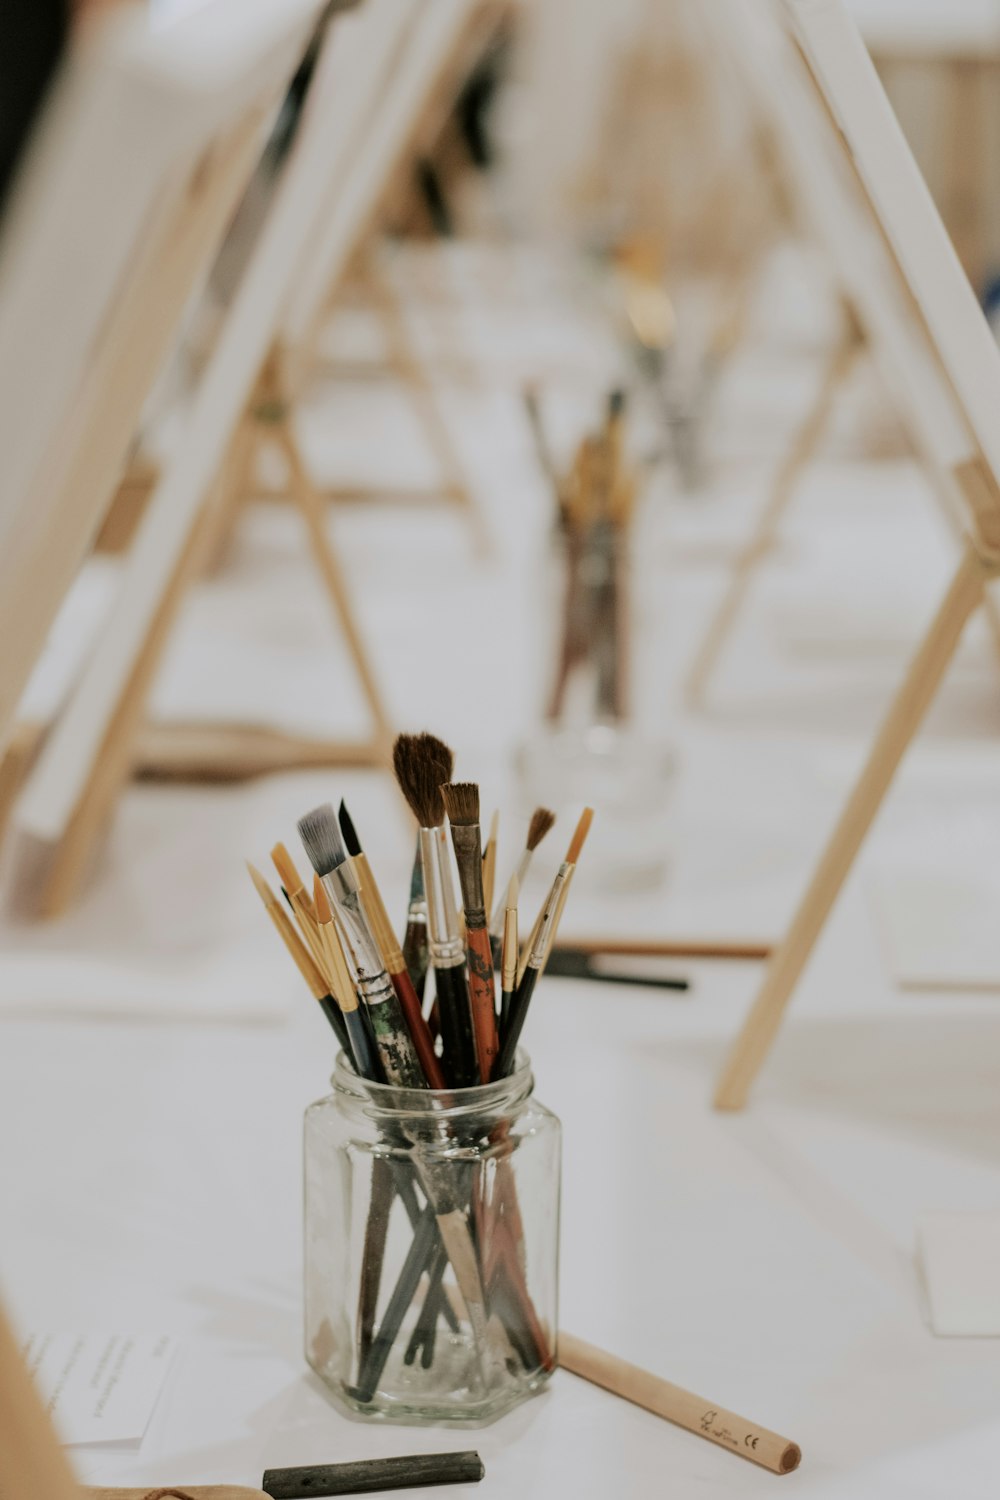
x: 879, y: 317
x: 80, y: 353
x: 94, y: 745
x: 822, y: 38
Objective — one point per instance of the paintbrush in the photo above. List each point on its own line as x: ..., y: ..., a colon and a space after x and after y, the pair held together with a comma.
x: 415, y: 949
x: 322, y: 842
x: 541, y: 823
x: 392, y: 954
x: 291, y: 880
x: 490, y: 863
x: 508, y: 963
x: 301, y: 956
x: 362, y: 1051
x: 574, y: 963
x: 386, y: 1176
x: 423, y: 765
x: 461, y: 800
x: 321, y: 838
x: 541, y: 940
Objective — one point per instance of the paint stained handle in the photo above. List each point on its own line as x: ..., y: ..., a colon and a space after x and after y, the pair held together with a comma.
x: 482, y: 995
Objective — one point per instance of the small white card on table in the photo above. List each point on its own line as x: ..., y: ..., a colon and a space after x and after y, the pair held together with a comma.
x: 99, y: 1387
x: 960, y: 1256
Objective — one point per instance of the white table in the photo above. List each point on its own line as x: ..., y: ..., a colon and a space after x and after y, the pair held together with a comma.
x: 150, y: 1177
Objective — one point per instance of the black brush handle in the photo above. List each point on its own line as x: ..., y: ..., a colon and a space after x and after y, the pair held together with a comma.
x: 515, y: 1022
x: 369, y: 1476
x: 335, y: 1016
x: 457, y: 1036
x: 573, y: 963
x: 419, y: 1255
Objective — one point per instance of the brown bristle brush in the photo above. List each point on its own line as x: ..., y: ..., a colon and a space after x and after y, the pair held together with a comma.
x: 423, y: 765
x: 542, y: 822
x: 461, y: 800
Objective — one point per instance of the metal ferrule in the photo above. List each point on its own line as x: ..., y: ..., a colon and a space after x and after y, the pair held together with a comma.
x: 443, y: 935
x: 352, y: 923
x: 546, y: 927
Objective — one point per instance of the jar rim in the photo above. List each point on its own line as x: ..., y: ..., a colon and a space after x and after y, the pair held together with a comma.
x: 480, y: 1098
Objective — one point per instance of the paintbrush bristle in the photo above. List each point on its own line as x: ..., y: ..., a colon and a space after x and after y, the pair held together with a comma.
x: 285, y: 866
x: 348, y: 829
x: 264, y: 891
x: 422, y: 765
x: 321, y: 901
x: 321, y: 839
x: 542, y: 822
x: 513, y: 891
x: 579, y: 837
x: 461, y: 801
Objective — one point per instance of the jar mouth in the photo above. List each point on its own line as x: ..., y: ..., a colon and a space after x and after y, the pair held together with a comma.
x: 481, y: 1098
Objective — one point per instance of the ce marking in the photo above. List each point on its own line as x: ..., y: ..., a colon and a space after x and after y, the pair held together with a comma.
x: 749, y: 1442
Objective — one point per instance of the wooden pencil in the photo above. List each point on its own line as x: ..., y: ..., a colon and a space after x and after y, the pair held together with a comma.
x: 757, y: 1444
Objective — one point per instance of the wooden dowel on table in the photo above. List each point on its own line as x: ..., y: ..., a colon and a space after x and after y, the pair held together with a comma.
x: 625, y: 947
x: 676, y: 1405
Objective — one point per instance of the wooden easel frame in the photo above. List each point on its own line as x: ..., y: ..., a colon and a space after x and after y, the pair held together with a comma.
x: 105, y: 718
x: 78, y: 354
x: 924, y: 402
x: 449, y: 36
x: 970, y: 363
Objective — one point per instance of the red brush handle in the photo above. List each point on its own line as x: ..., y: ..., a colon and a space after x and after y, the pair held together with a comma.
x: 419, y: 1030
x: 482, y: 995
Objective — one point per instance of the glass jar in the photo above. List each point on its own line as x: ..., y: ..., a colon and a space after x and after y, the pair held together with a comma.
x: 431, y: 1246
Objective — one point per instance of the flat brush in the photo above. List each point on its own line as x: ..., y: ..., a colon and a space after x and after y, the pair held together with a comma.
x: 423, y: 765
x: 461, y: 800
x: 539, y: 944
x: 542, y: 822
x: 298, y: 899
x: 321, y: 839
x: 392, y: 954
x: 415, y: 949
x: 508, y: 963
x: 301, y: 956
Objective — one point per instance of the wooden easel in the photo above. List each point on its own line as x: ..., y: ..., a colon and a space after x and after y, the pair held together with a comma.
x: 241, y: 400
x: 872, y: 325
x: 93, y: 746
x: 970, y: 362
x: 447, y: 41
x: 76, y: 360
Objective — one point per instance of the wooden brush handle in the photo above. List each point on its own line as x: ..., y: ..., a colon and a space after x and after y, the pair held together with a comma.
x: 679, y: 1406
x: 482, y: 996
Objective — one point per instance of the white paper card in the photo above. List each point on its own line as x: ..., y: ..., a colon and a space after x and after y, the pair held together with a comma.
x: 940, y: 930
x: 100, y: 1387
x: 960, y: 1257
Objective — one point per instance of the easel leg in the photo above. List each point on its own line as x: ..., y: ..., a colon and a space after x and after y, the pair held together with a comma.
x: 802, y: 450
x: 404, y: 360
x: 903, y: 720
x: 310, y: 503
x: 113, y: 764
